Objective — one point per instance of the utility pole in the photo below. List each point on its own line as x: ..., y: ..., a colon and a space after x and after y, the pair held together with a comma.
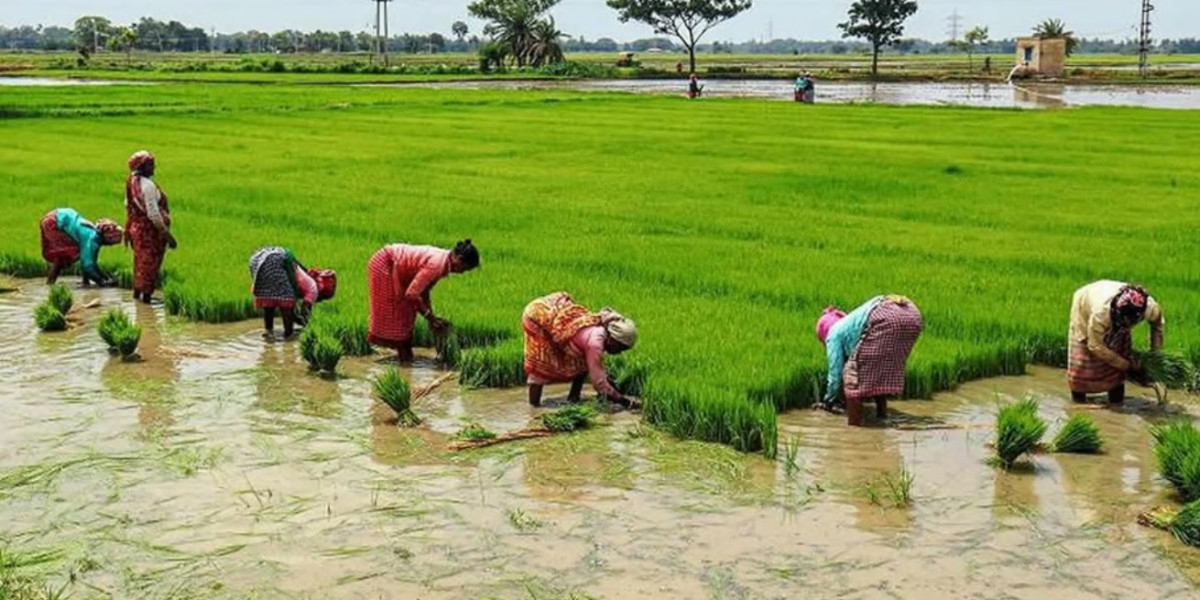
x: 381, y: 28
x: 953, y: 25
x: 1144, y: 39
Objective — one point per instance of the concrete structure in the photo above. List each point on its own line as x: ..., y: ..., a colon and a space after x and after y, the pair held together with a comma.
x: 1042, y: 57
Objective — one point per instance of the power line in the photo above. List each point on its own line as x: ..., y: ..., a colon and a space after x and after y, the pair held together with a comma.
x: 1144, y: 39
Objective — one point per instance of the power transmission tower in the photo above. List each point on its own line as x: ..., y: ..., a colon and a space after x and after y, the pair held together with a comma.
x: 953, y: 25
x: 1144, y: 39
x: 381, y: 28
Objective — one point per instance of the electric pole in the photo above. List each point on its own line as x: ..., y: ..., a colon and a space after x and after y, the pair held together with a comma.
x: 1144, y: 39
x: 953, y: 25
x: 381, y: 28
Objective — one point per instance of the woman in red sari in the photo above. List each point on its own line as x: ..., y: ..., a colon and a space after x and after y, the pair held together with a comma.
x: 400, y: 278
x: 147, y: 226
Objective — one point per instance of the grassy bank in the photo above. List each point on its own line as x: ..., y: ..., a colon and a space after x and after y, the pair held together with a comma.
x: 722, y: 227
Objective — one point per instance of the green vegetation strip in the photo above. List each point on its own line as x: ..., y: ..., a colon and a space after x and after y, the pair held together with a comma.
x: 722, y: 227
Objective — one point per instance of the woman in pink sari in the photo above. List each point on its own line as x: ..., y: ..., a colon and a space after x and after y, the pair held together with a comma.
x: 147, y: 226
x: 400, y: 278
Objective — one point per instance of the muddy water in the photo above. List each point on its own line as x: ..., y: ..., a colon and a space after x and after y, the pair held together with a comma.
x: 921, y: 93
x: 218, y: 468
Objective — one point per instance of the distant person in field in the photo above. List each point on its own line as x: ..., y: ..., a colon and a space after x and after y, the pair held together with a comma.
x: 566, y: 342
x: 694, y: 87
x: 805, y: 88
x: 1100, y: 348
x: 281, y: 284
x: 147, y: 225
x: 868, y: 350
x: 400, y: 278
x: 68, y: 238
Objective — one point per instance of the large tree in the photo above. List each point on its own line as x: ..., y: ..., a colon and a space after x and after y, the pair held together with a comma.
x: 687, y: 20
x: 460, y: 30
x: 520, y: 27
x: 92, y: 33
x: 880, y: 22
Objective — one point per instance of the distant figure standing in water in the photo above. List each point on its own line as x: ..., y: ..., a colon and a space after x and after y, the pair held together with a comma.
x: 1100, y: 348
x: 280, y: 283
x: 566, y: 342
x: 67, y: 237
x: 805, y: 88
x: 868, y: 350
x: 147, y: 225
x: 695, y: 90
x: 400, y: 278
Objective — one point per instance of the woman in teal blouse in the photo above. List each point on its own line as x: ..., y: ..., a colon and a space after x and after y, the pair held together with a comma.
x: 67, y: 237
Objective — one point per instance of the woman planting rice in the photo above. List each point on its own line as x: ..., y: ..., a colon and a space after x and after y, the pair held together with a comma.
x: 279, y: 282
x: 67, y: 237
x: 147, y: 226
x: 400, y: 278
x: 564, y: 341
x: 867, y: 351
x: 1100, y: 348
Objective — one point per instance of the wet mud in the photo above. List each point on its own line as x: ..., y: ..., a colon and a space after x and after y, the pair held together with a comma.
x: 218, y: 467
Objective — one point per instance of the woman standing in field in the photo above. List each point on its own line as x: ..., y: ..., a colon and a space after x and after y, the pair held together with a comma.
x: 1100, y: 348
x: 400, y: 278
x: 867, y: 351
x: 147, y: 225
x: 280, y: 283
x: 67, y: 237
x: 564, y: 341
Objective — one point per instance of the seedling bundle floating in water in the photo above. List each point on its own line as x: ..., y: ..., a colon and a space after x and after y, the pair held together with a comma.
x: 1184, y: 524
x: 321, y: 350
x: 393, y: 390
x: 121, y: 335
x: 1018, y: 431
x: 51, y: 315
x: 1079, y: 435
x: 569, y: 418
x: 61, y: 298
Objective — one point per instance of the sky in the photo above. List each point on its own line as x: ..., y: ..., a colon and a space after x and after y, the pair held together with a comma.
x: 800, y: 19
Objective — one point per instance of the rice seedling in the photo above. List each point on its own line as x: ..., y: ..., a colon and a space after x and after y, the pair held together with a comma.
x: 61, y: 298
x: 1079, y: 435
x: 899, y: 486
x: 113, y: 321
x: 449, y: 352
x: 1019, y: 428
x: 791, y: 454
x: 320, y: 350
x: 1177, y: 452
x: 523, y: 522
x: 569, y: 418
x: 393, y: 390
x: 474, y: 432
x: 1184, y: 523
x: 1168, y: 368
x: 126, y: 340
x: 49, y: 318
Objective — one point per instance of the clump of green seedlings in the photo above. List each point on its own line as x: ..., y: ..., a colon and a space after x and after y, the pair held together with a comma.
x: 1079, y: 435
x: 1177, y: 452
x: 1168, y: 368
x: 322, y: 351
x: 126, y: 341
x: 49, y: 318
x: 449, y: 349
x: 791, y: 456
x: 522, y: 522
x: 121, y: 335
x: 474, y: 432
x: 894, y: 486
x: 1184, y: 524
x: 61, y: 298
x: 1019, y: 428
x: 569, y: 418
x: 393, y: 390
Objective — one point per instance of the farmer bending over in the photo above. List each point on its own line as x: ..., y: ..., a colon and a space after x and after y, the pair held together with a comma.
x: 67, y: 237
x: 280, y: 283
x: 1100, y: 348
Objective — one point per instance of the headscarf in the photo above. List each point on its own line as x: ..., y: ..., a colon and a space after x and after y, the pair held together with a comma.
x: 827, y: 320
x: 326, y: 282
x: 1128, y: 309
x: 621, y: 329
x: 139, y: 161
x: 110, y: 232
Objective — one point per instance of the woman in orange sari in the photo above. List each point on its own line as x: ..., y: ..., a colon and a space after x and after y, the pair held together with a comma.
x: 147, y: 226
x: 564, y: 341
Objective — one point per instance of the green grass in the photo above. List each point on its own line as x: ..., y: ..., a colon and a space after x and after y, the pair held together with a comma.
x: 393, y: 390
x: 722, y: 227
x: 1079, y: 435
x: 1019, y: 428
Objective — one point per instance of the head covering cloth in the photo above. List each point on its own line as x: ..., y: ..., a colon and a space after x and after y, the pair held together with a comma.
x: 326, y: 282
x: 110, y: 233
x: 828, y: 319
x: 1128, y: 309
x: 620, y: 328
x: 139, y: 161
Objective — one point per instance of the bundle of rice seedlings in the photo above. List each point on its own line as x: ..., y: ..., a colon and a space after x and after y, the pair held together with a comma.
x: 449, y: 350
x: 49, y: 318
x: 569, y: 418
x: 1184, y: 524
x: 1018, y: 431
x: 1079, y: 435
x: 393, y: 390
x: 1168, y: 368
x: 126, y: 340
x: 474, y: 432
x: 114, y: 320
x: 61, y: 298
x: 1177, y: 452
x: 321, y: 350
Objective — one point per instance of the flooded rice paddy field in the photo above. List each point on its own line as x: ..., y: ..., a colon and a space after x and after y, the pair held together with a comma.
x: 219, y: 468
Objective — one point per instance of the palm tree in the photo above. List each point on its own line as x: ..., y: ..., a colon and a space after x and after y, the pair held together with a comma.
x: 515, y: 31
x: 1055, y: 29
x: 545, y: 45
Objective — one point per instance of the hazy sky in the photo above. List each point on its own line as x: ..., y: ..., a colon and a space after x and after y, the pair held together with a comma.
x: 803, y: 19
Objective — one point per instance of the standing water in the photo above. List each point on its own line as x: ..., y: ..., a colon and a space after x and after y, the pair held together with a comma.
x: 218, y: 467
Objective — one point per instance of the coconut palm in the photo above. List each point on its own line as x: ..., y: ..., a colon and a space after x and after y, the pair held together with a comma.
x: 545, y: 45
x: 1055, y: 29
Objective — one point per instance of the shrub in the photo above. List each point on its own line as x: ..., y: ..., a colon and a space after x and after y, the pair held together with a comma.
x: 1079, y: 436
x: 393, y: 390
x: 61, y: 298
x: 49, y: 318
x: 1018, y: 430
